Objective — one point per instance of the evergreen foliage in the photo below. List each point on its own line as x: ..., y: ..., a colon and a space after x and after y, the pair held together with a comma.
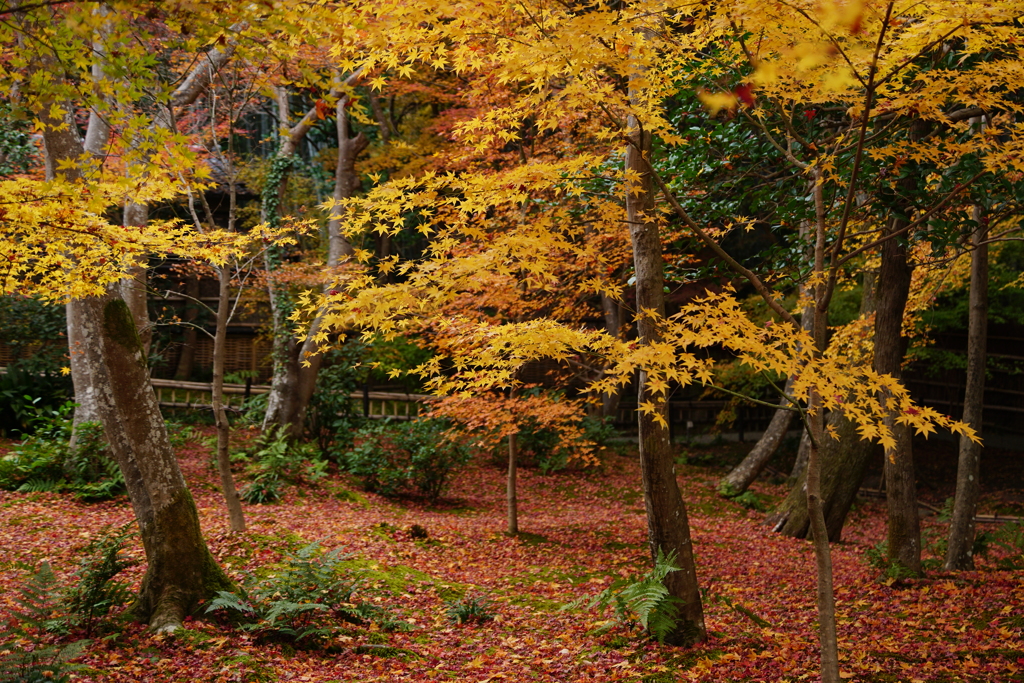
x: 641, y: 600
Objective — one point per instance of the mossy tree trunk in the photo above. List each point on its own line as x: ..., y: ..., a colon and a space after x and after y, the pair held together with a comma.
x: 893, y: 289
x: 180, y: 571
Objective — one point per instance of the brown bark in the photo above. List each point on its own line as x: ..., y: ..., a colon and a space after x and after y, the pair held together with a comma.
x: 297, y: 363
x: 843, y: 464
x: 227, y: 481
x: 510, y: 486
x: 612, y: 312
x: 667, y: 522
x: 893, y: 288
x: 959, y: 552
x: 803, y: 452
x: 743, y: 475
x: 188, y: 347
x: 134, y: 287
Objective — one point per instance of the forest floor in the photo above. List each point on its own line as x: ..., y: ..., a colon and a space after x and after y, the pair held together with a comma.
x: 583, y: 530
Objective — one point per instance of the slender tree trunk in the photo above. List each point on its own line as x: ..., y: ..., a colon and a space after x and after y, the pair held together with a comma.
x: 667, y: 523
x: 63, y: 144
x: 188, y: 347
x: 220, y: 415
x: 612, y: 311
x: 803, y: 452
x: 744, y: 474
x: 816, y: 427
x: 959, y: 553
x: 510, y: 487
x: 893, y: 289
x: 133, y: 287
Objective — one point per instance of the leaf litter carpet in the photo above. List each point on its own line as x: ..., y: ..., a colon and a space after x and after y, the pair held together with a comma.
x: 582, y: 530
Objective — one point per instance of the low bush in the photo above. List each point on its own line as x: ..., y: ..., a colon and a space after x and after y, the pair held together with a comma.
x: 392, y: 458
x: 45, y: 461
x: 307, y: 601
x: 643, y: 601
x: 275, y: 461
x: 30, y: 649
x: 469, y: 610
x: 332, y: 419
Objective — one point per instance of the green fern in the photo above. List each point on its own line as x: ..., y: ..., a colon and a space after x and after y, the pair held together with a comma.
x: 304, y: 600
x: 96, y: 592
x: 39, y: 600
x: 644, y: 601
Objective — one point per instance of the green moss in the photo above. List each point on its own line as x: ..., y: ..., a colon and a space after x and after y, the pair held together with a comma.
x: 396, y: 578
x: 120, y: 326
x: 383, y: 651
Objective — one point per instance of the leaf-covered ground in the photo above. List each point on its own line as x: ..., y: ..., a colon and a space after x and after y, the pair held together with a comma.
x: 584, y: 530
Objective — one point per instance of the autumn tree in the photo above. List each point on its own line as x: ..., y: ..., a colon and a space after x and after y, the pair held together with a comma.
x: 61, y: 247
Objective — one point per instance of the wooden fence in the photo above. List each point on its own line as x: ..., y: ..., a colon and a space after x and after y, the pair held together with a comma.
x: 375, y: 404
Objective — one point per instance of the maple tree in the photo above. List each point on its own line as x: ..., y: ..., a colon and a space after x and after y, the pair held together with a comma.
x: 868, y: 104
x: 867, y: 57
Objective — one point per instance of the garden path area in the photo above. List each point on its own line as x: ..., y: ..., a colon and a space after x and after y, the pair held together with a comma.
x: 584, y: 529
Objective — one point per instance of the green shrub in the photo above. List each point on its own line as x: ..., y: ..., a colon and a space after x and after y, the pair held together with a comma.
x: 469, y: 610
x: 46, y: 462
x: 274, y: 461
x: 305, y: 600
x: 751, y: 501
x: 544, y: 448
x: 878, y: 557
x: 27, y: 649
x: 29, y: 398
x: 27, y: 653
x: 642, y: 601
x: 1009, y: 537
x: 332, y: 418
x: 95, y: 592
x: 395, y: 457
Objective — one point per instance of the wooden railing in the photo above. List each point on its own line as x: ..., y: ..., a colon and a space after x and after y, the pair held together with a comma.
x: 373, y: 404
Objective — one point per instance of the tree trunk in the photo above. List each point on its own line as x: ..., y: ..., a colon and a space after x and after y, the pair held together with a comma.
x: 843, y: 464
x: 510, y: 488
x: 815, y: 424
x: 134, y: 287
x: 959, y: 552
x: 86, y: 398
x: 803, y: 452
x: 612, y: 311
x: 188, y: 347
x: 296, y: 364
x: 181, y: 572
x: 744, y: 474
x: 667, y: 523
x: 220, y: 415
x: 893, y: 288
